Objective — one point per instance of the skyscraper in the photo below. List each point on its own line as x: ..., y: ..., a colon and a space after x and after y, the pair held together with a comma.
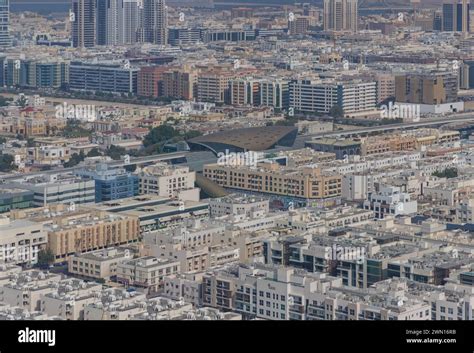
x: 340, y: 15
x: 5, y: 39
x: 109, y: 21
x: 118, y: 22
x: 83, y: 23
x: 456, y: 16
x: 132, y: 18
x: 155, y: 24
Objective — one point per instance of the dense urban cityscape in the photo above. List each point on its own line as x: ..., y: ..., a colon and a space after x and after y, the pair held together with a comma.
x: 235, y: 160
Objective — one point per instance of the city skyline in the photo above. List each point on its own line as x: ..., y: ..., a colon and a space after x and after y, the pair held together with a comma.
x: 175, y: 160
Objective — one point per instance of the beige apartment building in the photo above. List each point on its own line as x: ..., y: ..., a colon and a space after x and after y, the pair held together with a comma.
x: 179, y: 84
x: 165, y: 180
x: 407, y: 141
x: 20, y: 241
x: 69, y: 299
x: 245, y: 91
x: 100, y: 264
x: 26, y: 289
x: 213, y: 85
x: 90, y: 231
x: 391, y: 143
x: 146, y: 272
x: 272, y: 178
x: 429, y: 137
x: 74, y: 230
x: 385, y: 86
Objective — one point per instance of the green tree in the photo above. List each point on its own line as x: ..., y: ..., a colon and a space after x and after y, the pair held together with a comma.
x: 159, y: 134
x: 73, y: 129
x: 22, y: 101
x: 387, y: 101
x: 94, y: 152
x: 336, y: 112
x: 286, y: 122
x: 447, y: 173
x: 45, y: 258
x: 74, y: 160
x: 191, y: 134
x: 4, y: 101
x: 6, y: 163
x: 115, y: 152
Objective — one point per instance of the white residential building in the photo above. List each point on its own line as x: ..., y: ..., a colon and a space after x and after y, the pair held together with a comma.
x: 390, y: 201
x: 21, y: 240
x: 169, y: 181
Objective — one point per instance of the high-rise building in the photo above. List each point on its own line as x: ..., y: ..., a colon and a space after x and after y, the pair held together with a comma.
x: 437, y: 21
x: 5, y: 39
x: 180, y: 84
x: 244, y: 91
x: 456, y: 16
x: 132, y: 21
x: 155, y: 23
x: 106, y: 22
x: 427, y: 88
x: 340, y: 15
x: 299, y: 25
x: 274, y: 93
x: 467, y: 81
x: 118, y: 22
x: 149, y: 83
x: 83, y: 23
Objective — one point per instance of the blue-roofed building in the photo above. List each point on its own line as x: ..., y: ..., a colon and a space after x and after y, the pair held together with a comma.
x: 111, y: 184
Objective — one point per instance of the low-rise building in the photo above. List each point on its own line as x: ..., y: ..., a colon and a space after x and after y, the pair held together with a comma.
x: 57, y: 188
x: 100, y: 264
x: 24, y: 290
x: 111, y: 184
x: 74, y: 230
x: 168, y: 181
x: 390, y: 201
x: 69, y: 298
x: 235, y: 204
x: 146, y: 272
x: 299, y: 186
x: 21, y: 240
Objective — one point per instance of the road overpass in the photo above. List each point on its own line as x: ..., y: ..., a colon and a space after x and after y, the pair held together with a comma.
x: 114, y: 163
x: 463, y: 117
x: 197, y: 159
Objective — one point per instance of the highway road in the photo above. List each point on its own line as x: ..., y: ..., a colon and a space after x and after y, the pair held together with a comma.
x: 196, y: 159
x: 458, y: 118
x: 114, y: 163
